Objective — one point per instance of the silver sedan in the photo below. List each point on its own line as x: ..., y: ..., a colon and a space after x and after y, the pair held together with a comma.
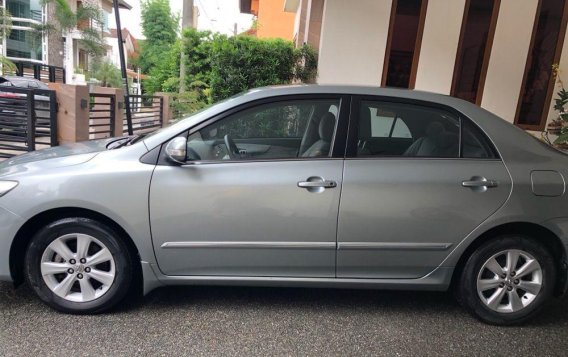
x: 322, y: 186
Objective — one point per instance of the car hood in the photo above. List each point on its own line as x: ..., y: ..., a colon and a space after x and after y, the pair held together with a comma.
x: 58, y: 156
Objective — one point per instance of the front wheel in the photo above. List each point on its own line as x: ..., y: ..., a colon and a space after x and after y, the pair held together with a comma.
x: 78, y: 265
x: 508, y: 280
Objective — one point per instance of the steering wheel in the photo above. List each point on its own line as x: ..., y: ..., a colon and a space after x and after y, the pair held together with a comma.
x: 232, y: 148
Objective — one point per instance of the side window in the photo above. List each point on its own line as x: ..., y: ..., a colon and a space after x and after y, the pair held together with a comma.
x: 396, y: 129
x: 475, y: 145
x: 280, y: 130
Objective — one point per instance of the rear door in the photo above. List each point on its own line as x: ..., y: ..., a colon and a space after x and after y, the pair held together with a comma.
x: 403, y: 209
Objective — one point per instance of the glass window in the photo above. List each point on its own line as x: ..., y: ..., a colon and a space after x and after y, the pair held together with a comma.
x: 283, y: 130
x: 538, y: 81
x: 475, y: 145
x: 393, y: 129
x: 406, y: 30
x: 475, y: 45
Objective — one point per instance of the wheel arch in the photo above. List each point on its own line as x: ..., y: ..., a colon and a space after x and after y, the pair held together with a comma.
x: 537, y: 232
x: 40, y: 220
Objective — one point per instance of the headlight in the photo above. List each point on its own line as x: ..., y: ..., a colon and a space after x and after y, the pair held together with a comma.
x: 7, y: 186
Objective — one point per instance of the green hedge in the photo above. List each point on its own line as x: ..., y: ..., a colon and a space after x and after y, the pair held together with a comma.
x: 219, y: 66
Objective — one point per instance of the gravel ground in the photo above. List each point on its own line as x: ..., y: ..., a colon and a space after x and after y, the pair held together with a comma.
x: 273, y: 322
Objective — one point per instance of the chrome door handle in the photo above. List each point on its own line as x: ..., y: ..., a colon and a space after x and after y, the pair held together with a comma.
x: 317, y: 184
x: 479, y: 183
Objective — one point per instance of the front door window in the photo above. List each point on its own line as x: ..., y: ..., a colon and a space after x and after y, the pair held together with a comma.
x: 280, y: 130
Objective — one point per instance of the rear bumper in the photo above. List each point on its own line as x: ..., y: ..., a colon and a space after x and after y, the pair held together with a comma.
x: 9, y: 225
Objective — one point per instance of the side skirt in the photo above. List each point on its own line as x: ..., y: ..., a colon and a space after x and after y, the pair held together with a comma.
x: 438, y: 280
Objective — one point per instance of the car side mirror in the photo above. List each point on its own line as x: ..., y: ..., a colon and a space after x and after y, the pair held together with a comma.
x: 176, y: 150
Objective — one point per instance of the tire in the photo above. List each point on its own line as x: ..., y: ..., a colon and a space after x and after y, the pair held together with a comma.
x: 87, y: 282
x: 492, y: 298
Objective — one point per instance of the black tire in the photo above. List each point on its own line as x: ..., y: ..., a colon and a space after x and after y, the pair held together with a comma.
x: 467, y: 292
x: 123, y: 262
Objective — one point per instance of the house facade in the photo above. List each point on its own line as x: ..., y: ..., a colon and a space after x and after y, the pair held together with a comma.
x: 76, y: 58
x: 498, y: 54
x: 271, y: 19
x: 26, y: 44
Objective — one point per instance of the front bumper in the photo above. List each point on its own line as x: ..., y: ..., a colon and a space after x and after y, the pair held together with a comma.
x: 9, y: 225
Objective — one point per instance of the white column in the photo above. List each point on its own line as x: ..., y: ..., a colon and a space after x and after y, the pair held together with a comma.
x: 439, y: 45
x: 509, y: 57
x: 353, y: 41
x: 69, y: 59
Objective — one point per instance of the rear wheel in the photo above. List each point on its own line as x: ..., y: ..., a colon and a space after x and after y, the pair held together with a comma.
x: 79, y: 265
x: 508, y: 280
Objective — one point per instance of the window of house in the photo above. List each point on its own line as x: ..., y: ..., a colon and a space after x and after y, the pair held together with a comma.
x: 538, y: 81
x: 476, y: 40
x: 403, y: 46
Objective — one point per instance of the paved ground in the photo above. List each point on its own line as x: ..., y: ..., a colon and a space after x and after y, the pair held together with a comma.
x: 273, y: 322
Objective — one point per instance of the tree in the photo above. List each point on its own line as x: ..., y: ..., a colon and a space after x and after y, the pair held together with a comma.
x: 160, y: 27
x: 6, y: 66
x: 107, y: 73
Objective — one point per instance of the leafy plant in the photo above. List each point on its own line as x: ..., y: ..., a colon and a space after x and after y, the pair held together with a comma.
x: 6, y: 66
x: 107, y: 74
x: 560, y: 124
x: 218, y: 67
x: 160, y: 27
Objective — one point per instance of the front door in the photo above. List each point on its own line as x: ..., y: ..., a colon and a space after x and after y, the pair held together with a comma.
x: 412, y: 190
x: 259, y: 195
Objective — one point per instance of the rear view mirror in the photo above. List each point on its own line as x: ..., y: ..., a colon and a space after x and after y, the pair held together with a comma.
x: 176, y: 150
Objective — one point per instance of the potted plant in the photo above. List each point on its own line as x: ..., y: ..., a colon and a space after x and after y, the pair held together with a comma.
x: 559, y: 126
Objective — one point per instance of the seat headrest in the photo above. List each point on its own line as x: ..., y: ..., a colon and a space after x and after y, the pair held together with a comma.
x: 434, y: 129
x: 327, y: 127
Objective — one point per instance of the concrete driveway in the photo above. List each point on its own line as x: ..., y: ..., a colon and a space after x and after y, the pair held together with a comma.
x: 273, y: 322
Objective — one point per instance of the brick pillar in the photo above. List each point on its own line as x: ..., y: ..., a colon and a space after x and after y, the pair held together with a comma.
x: 167, y: 113
x: 73, y: 113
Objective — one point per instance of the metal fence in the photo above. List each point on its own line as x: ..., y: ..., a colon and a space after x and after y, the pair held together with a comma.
x: 102, y: 115
x: 42, y: 72
x: 28, y: 120
x: 147, y: 113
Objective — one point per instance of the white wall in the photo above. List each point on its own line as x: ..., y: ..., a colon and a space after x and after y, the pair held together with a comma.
x: 353, y: 41
x: 439, y: 45
x: 509, y: 57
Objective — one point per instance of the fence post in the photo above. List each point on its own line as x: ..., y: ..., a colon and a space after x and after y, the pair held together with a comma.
x: 19, y: 69
x: 37, y: 72
x: 73, y: 114
x: 53, y: 109
x: 30, y: 120
x: 165, y: 109
x: 51, y: 74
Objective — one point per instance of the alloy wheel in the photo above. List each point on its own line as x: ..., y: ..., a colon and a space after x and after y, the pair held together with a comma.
x: 509, y: 281
x: 78, y: 267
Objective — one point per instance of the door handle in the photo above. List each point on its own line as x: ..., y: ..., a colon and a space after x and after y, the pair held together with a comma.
x: 317, y: 184
x: 479, y: 184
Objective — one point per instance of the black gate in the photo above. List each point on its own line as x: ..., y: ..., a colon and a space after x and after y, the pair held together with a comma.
x: 28, y: 120
x: 101, y: 115
x: 147, y: 113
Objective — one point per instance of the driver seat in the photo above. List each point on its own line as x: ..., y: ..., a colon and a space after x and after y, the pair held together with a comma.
x: 325, y: 130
